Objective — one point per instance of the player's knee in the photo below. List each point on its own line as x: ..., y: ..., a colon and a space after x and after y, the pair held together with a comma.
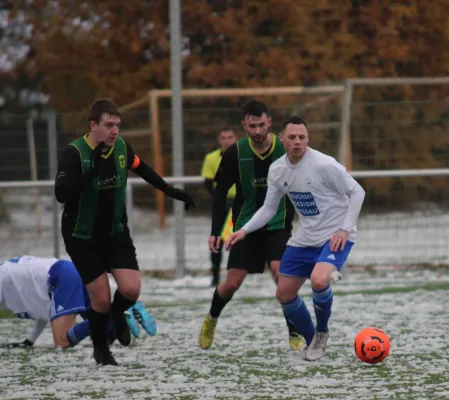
x: 231, y: 286
x: 101, y: 301
x: 61, y: 341
x: 284, y: 295
x: 130, y: 291
x: 319, y: 281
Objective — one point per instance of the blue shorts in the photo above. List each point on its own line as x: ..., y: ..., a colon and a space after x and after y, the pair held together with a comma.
x: 67, y: 292
x: 300, y: 261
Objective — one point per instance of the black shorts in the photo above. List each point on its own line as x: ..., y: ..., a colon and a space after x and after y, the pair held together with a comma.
x: 257, y: 249
x: 93, y: 257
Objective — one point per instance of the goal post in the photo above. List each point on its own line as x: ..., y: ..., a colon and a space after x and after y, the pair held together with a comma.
x: 345, y: 150
x: 154, y: 97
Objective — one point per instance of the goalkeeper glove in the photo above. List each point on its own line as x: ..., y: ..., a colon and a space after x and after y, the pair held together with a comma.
x: 181, y: 195
x: 26, y: 343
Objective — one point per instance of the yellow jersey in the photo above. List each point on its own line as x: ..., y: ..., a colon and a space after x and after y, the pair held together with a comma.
x: 210, y: 167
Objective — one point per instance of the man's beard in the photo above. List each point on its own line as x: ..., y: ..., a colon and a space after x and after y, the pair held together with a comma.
x: 259, y: 138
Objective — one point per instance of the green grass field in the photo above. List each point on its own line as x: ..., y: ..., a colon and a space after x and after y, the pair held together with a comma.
x: 250, y: 358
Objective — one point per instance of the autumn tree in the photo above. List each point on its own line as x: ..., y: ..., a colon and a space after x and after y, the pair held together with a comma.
x: 79, y: 50
x: 83, y: 49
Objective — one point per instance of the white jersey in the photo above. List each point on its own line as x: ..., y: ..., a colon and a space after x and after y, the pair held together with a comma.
x: 320, y: 189
x: 24, y: 286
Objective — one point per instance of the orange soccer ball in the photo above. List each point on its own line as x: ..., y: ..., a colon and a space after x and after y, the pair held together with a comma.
x: 372, y: 345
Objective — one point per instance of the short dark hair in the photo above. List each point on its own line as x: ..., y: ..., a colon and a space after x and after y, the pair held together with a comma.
x: 255, y: 108
x: 295, y: 120
x: 100, y: 107
x: 226, y: 129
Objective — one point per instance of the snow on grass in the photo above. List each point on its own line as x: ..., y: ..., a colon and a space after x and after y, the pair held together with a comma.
x: 419, y: 237
x: 250, y: 358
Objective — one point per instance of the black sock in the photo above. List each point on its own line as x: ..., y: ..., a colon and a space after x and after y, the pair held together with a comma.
x: 120, y: 303
x: 218, y: 303
x: 98, y: 324
x: 84, y: 315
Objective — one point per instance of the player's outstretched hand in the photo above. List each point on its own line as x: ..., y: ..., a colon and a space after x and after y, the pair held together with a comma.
x: 181, y: 195
x: 95, y: 158
x: 338, y: 240
x: 234, y: 238
x: 14, y: 345
x: 214, y: 244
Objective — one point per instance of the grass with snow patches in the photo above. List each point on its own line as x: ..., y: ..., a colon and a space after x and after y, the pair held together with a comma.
x: 250, y: 358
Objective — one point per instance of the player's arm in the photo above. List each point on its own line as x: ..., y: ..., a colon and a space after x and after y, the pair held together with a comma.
x: 209, y: 185
x: 38, y: 328
x: 263, y: 215
x: 343, y: 183
x: 149, y: 175
x: 208, y: 173
x: 356, y: 196
x: 70, y: 179
x: 227, y: 174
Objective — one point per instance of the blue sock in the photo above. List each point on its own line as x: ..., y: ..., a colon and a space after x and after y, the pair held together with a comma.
x: 298, y: 313
x: 322, y: 303
x: 78, y: 332
x: 81, y: 331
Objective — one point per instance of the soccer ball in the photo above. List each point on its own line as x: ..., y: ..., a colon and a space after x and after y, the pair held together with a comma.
x: 372, y: 345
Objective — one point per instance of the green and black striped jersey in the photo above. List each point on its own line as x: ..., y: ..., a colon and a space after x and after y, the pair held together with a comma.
x: 243, y: 166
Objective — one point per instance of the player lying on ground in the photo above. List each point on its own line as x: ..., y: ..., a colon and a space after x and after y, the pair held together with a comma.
x: 328, y: 202
x: 51, y: 290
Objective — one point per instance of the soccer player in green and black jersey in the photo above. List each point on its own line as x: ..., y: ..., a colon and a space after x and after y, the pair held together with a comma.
x: 91, y: 182
x: 246, y: 165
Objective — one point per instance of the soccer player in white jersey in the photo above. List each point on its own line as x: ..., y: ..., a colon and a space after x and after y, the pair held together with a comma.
x: 328, y: 201
x: 51, y: 290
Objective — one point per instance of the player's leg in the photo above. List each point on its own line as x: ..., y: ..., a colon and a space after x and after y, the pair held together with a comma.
x: 276, y: 242
x: 216, y: 258
x: 321, y: 276
x: 216, y: 262
x: 221, y: 297
x: 122, y: 263
x: 296, y: 266
x: 61, y: 327
x: 98, y: 317
x: 68, y: 298
x: 245, y: 257
x: 89, y: 261
x: 295, y: 340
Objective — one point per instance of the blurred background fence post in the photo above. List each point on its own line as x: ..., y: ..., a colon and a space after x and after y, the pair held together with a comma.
x: 52, y: 135
x: 390, y: 133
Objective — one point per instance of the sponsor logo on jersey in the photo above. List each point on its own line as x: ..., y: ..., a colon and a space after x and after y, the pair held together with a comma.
x: 259, y: 182
x: 304, y: 203
x: 107, y: 183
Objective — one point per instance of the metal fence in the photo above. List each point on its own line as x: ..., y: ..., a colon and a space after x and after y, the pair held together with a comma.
x: 378, y: 125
